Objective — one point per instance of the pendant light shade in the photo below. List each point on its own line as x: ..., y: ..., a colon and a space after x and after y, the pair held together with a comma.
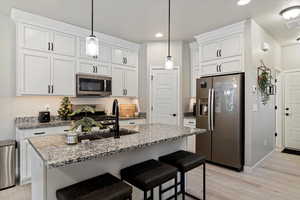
x: 92, y: 43
x: 169, y: 60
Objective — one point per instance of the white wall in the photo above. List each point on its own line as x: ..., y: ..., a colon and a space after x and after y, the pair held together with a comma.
x: 12, y: 106
x: 290, y: 57
x: 260, y: 123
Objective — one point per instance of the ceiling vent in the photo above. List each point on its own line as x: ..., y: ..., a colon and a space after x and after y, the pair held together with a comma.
x: 292, y: 24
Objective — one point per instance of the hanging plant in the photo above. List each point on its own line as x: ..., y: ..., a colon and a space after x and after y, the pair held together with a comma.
x: 264, y: 81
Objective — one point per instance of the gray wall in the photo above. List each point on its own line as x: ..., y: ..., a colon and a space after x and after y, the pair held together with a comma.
x: 260, y: 123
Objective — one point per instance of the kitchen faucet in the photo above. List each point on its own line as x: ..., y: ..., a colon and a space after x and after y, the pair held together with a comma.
x: 115, y: 112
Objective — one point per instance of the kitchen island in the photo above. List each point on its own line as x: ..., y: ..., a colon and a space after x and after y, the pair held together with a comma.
x: 56, y: 165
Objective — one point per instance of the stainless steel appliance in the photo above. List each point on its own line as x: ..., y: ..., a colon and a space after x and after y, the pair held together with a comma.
x: 220, y: 110
x: 44, y: 116
x: 96, y: 86
x: 7, y: 164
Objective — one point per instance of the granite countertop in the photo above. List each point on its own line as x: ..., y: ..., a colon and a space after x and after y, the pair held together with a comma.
x: 55, y: 153
x: 32, y: 122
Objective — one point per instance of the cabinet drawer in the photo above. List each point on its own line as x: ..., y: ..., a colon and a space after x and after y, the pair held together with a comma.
x: 42, y: 131
x: 191, y: 123
x: 133, y: 122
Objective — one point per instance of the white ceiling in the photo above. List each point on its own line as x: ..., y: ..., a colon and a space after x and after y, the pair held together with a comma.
x: 139, y: 20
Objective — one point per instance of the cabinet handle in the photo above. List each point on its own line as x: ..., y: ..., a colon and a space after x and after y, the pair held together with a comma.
x: 96, y: 69
x: 217, y: 68
x: 52, y: 46
x: 52, y: 89
x: 131, y: 122
x: 217, y: 52
x: 220, y: 69
x: 49, y: 48
x: 49, y: 89
x: 93, y: 69
x: 126, y: 92
x: 220, y: 53
x: 39, y: 133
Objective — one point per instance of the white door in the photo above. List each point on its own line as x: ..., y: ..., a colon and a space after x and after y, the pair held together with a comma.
x: 117, y: 81
x: 131, y: 83
x: 63, y: 76
x: 64, y: 44
x: 292, y: 110
x: 210, y: 51
x: 231, y: 46
x: 35, y: 38
x: 36, y: 73
x: 164, y: 93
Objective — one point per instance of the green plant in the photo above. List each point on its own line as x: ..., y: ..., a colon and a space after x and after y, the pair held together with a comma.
x: 264, y: 82
x: 65, y: 108
x: 86, y: 123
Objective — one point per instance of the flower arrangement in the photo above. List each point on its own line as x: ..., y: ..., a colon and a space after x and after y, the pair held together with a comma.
x: 264, y: 81
x: 65, y: 108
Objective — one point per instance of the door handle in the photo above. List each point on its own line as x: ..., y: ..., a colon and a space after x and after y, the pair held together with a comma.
x: 209, y: 110
x: 212, y: 109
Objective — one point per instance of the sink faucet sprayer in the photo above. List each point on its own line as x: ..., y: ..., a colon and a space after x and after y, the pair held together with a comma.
x: 115, y: 112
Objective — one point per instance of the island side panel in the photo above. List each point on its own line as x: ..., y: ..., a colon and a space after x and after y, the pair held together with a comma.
x: 38, y: 177
x: 64, y: 176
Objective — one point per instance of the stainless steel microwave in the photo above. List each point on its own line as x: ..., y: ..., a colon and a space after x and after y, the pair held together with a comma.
x: 94, y: 86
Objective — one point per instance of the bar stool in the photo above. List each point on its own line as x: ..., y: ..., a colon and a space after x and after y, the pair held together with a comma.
x: 148, y: 175
x: 104, y: 187
x: 185, y: 161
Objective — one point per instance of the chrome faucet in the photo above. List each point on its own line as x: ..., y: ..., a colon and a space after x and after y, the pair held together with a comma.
x: 115, y: 112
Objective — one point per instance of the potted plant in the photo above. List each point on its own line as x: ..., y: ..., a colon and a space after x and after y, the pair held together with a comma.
x: 65, y: 109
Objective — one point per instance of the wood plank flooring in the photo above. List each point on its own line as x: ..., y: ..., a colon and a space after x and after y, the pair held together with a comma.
x: 277, y: 178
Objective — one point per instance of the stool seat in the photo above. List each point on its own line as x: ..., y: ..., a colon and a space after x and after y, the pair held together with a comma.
x: 148, y: 174
x: 104, y: 187
x: 183, y: 160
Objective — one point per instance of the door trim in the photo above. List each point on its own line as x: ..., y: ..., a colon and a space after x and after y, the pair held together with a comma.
x: 179, y: 101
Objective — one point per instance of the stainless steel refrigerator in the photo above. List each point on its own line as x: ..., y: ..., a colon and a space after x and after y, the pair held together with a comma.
x: 220, y: 110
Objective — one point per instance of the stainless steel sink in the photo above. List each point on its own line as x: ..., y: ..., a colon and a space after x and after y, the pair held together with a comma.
x: 123, y: 132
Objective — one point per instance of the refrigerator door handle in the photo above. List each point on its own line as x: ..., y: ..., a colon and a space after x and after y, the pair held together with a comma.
x: 209, y: 110
x: 212, y: 109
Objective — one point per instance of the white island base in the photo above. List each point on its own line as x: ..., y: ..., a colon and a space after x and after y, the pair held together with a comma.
x: 45, y: 181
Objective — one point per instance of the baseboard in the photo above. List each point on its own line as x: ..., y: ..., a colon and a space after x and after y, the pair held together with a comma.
x: 248, y: 169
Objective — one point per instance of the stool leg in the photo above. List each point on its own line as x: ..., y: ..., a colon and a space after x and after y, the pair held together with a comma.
x: 152, y: 198
x: 175, y: 187
x: 204, y: 181
x: 130, y: 197
x: 182, y: 180
x: 145, y: 195
x: 160, y: 192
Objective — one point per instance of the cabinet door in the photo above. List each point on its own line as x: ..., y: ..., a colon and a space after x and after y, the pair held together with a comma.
x: 105, y: 53
x: 63, y: 79
x: 35, y: 38
x: 131, y: 83
x: 82, y: 49
x: 117, y: 81
x: 209, y: 51
x: 131, y: 58
x: 87, y: 67
x: 231, y: 46
x: 64, y: 44
x: 231, y: 65
x: 209, y: 68
x: 25, y: 162
x: 104, y: 69
x: 35, y: 72
x: 117, y: 56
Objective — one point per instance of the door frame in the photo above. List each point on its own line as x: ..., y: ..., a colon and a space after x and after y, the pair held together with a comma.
x: 179, y: 100
x: 283, y: 79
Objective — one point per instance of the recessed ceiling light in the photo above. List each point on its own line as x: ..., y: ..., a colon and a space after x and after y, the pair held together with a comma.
x: 243, y: 2
x: 159, y: 35
x: 290, y: 12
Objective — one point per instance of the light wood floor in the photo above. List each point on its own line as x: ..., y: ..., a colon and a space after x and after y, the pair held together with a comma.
x: 278, y: 178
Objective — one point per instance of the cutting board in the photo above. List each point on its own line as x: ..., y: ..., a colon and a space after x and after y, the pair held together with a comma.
x: 127, y: 110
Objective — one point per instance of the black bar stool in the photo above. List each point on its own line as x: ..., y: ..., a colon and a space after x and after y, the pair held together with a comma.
x: 150, y: 174
x: 104, y: 187
x: 185, y: 161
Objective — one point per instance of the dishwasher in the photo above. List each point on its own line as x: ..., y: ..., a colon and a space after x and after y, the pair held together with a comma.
x: 7, y: 164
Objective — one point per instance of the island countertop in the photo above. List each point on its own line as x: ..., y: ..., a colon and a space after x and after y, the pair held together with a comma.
x: 56, y: 153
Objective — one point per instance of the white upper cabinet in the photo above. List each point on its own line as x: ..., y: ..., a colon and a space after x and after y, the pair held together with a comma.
x: 63, y: 44
x: 63, y: 76
x: 36, y: 73
x: 35, y: 38
x: 124, y: 81
x: 125, y: 57
x: 222, y: 50
x: 94, y: 68
x: 210, y: 51
x: 195, y: 71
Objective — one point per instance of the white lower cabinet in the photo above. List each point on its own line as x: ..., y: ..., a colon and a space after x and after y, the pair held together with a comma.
x: 191, y: 141
x: 25, y: 148
x: 124, y: 81
x: 133, y: 122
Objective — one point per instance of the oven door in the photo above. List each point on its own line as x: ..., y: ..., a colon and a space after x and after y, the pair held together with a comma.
x: 88, y: 85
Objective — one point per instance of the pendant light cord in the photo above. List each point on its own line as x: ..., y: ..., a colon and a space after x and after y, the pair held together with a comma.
x: 92, y: 17
x: 169, y: 29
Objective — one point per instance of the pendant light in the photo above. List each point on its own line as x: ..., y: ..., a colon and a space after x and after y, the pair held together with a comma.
x: 92, y: 43
x: 169, y: 60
